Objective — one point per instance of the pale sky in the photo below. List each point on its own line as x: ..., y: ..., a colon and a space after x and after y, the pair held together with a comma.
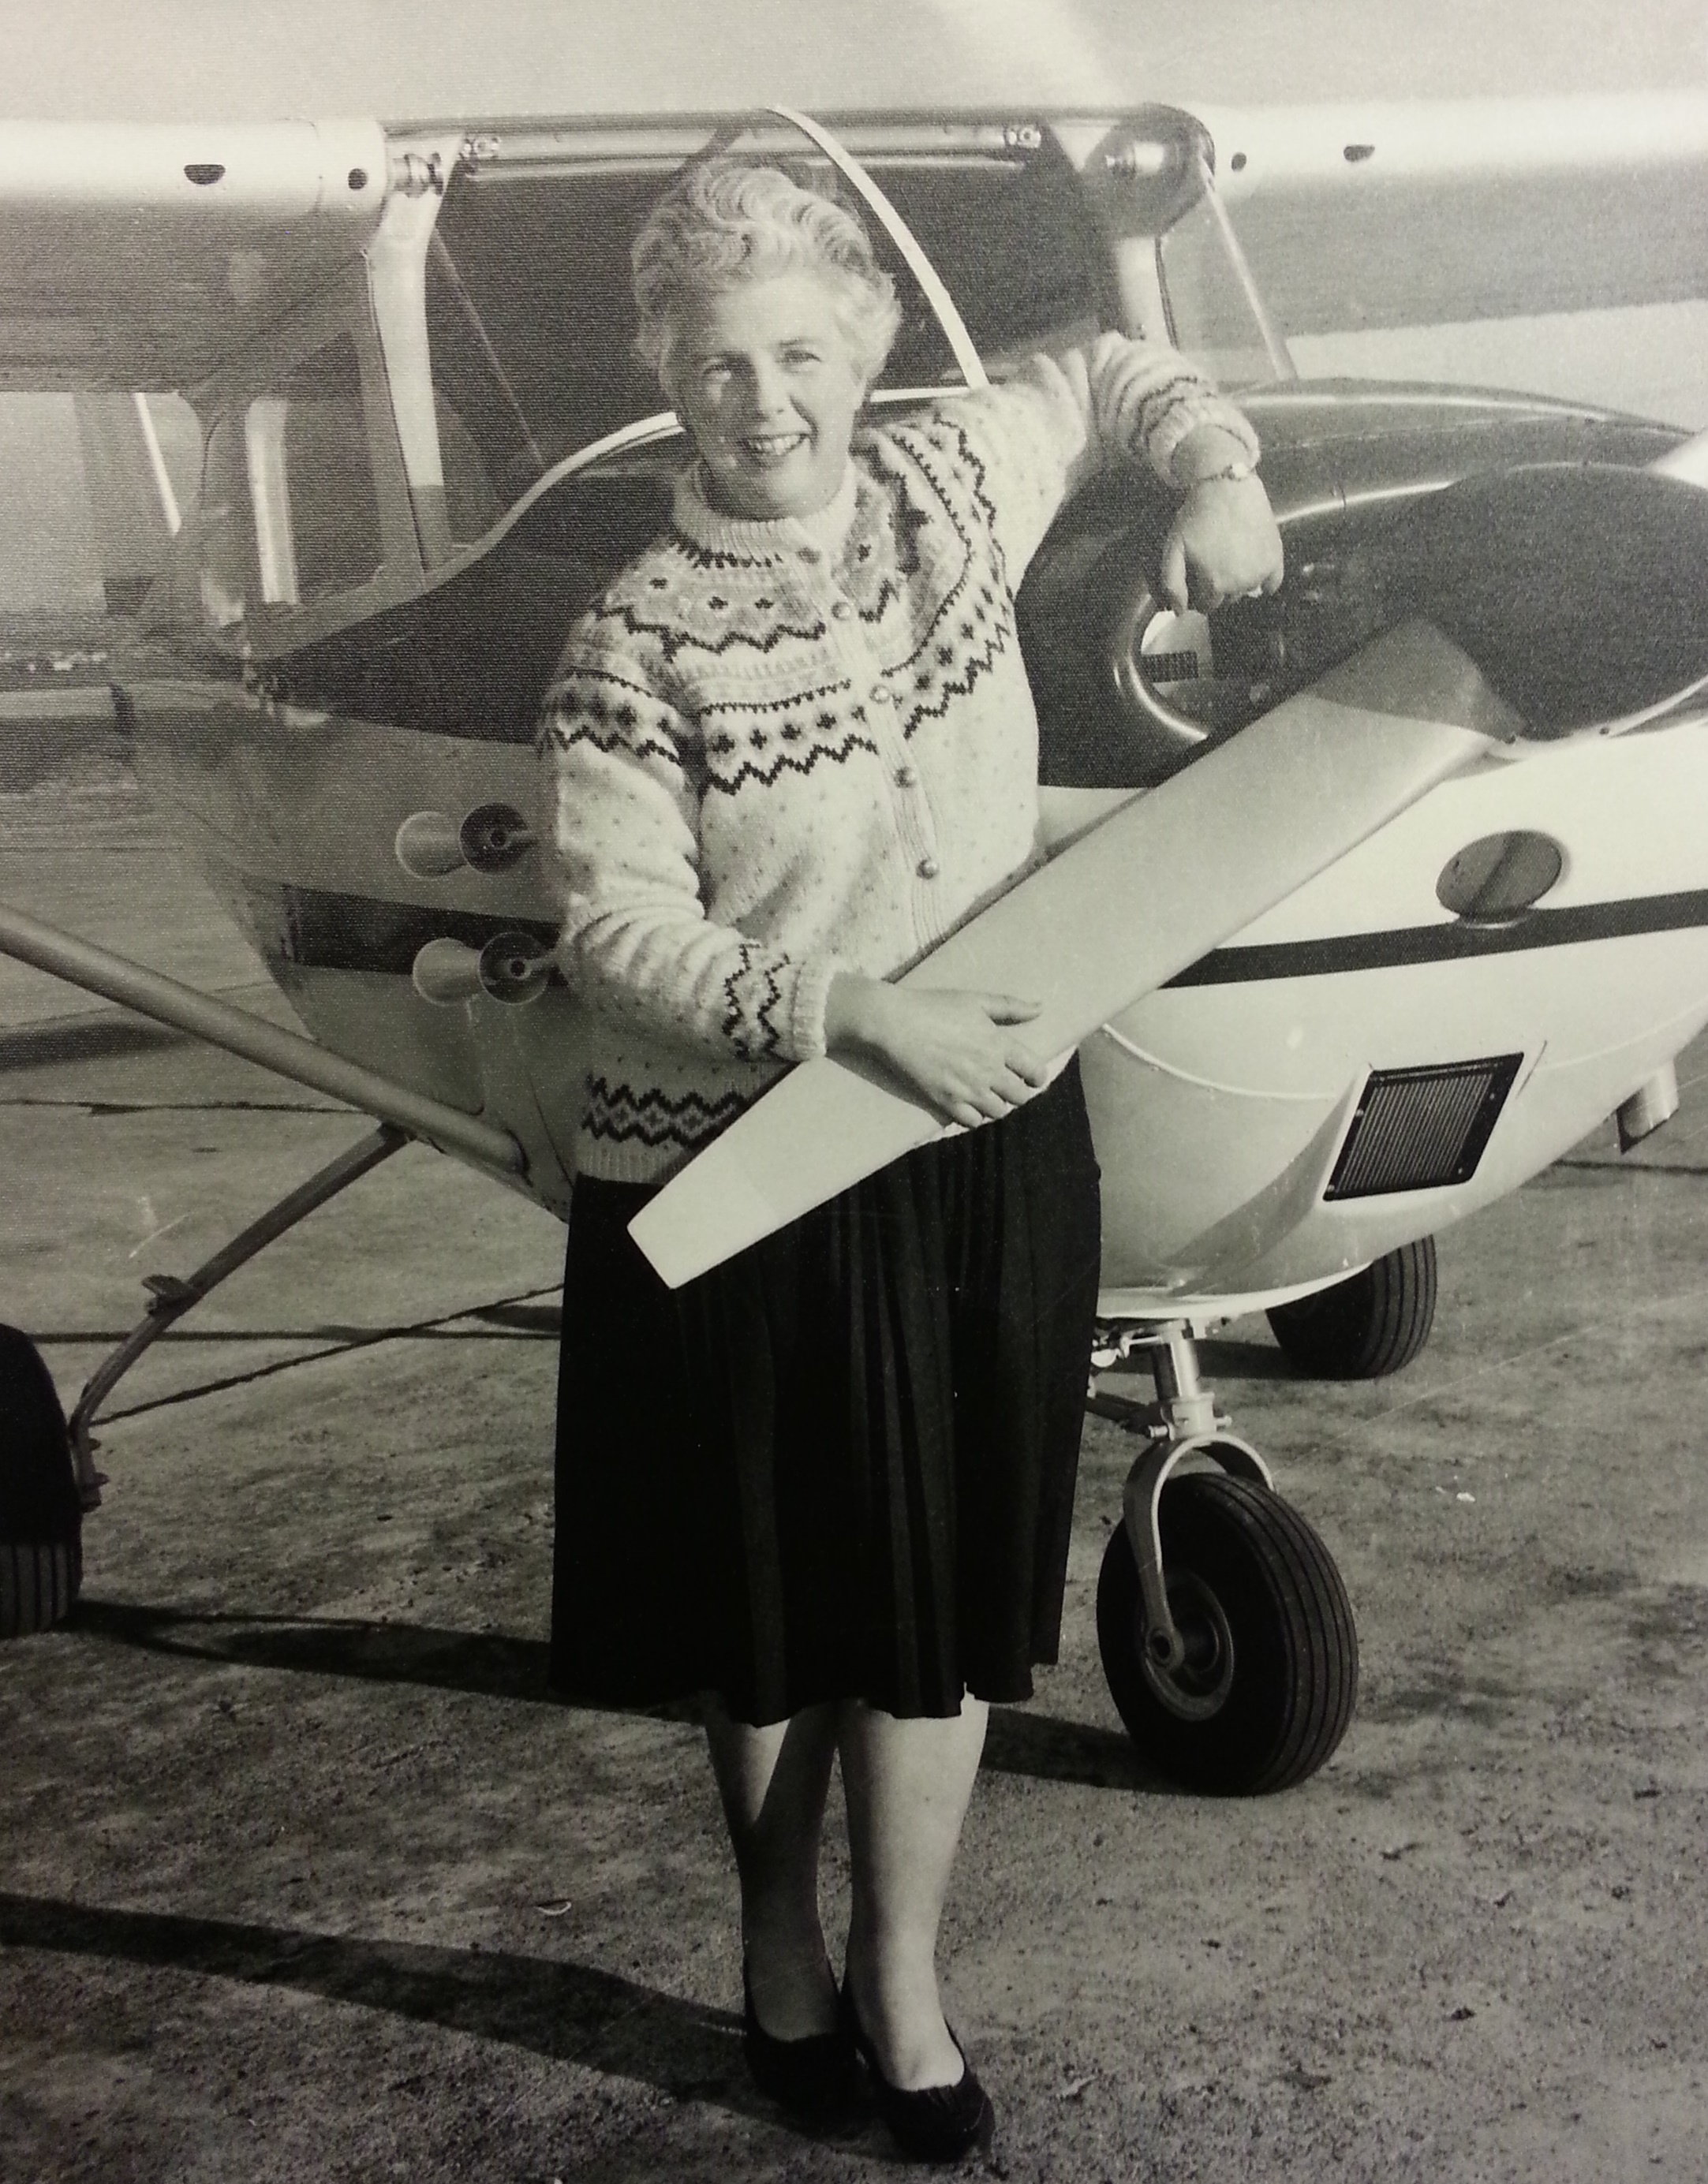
x: 253, y: 59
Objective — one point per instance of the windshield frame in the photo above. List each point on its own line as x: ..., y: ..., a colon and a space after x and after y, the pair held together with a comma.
x: 1194, y: 339
x: 1122, y: 187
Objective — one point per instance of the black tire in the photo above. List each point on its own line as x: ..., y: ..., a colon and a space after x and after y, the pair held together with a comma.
x: 41, y: 1510
x: 1373, y: 1323
x: 1271, y: 1674
x: 38, y: 1585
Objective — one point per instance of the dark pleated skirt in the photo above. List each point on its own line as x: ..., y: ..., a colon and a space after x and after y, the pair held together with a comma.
x: 842, y: 1464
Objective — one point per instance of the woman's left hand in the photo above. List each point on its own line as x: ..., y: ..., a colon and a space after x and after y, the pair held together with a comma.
x: 1222, y: 544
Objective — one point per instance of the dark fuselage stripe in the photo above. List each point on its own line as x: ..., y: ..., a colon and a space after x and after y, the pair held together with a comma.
x: 1449, y: 944
x: 326, y: 932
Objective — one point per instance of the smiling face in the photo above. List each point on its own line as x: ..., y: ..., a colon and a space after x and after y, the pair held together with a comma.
x: 763, y: 377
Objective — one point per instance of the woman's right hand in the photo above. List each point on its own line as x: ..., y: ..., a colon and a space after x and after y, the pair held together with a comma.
x: 956, y: 1048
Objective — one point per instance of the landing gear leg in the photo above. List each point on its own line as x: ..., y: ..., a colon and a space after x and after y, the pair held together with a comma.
x: 1225, y: 1631
x: 172, y: 1297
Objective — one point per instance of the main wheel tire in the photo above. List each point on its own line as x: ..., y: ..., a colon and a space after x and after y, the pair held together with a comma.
x: 41, y: 1510
x: 1270, y: 1677
x: 1373, y: 1323
x: 38, y: 1585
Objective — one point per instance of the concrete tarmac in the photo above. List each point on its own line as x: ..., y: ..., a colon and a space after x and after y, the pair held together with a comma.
x: 304, y: 1876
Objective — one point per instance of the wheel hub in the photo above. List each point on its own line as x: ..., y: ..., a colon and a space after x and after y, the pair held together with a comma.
x: 1197, y: 1688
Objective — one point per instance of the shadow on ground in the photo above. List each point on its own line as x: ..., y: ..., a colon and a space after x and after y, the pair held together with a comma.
x: 490, y: 1665
x: 566, y: 2012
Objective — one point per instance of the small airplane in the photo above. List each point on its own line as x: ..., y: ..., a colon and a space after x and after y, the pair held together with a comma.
x: 1363, y: 903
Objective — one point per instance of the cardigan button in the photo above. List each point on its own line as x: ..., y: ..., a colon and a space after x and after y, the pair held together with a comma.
x: 906, y: 777
x: 929, y: 868
x: 842, y: 610
x: 881, y: 694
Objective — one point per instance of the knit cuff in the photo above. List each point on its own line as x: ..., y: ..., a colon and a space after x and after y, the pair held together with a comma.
x: 1196, y: 406
x: 812, y: 993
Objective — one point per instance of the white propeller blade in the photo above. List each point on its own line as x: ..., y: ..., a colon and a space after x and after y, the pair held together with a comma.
x: 1128, y: 905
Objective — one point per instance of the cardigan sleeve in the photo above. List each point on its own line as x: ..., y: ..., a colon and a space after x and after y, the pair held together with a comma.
x: 1043, y: 432
x: 636, y: 939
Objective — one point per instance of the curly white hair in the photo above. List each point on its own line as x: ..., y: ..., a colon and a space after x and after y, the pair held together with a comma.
x: 726, y: 220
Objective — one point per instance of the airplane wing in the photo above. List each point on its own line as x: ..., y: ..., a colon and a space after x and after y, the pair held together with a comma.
x: 1128, y: 905
x: 135, y: 256
x: 1416, y: 212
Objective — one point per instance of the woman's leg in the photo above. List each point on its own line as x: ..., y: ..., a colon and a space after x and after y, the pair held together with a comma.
x: 908, y: 1784
x: 774, y: 1782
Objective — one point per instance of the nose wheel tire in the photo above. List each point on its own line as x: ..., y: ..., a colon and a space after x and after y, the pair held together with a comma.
x: 1270, y: 1674
x: 1373, y: 1323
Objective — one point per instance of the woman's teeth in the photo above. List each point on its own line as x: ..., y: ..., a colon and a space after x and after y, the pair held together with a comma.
x: 771, y: 447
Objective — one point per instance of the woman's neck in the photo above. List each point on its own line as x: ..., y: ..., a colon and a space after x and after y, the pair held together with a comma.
x: 825, y: 527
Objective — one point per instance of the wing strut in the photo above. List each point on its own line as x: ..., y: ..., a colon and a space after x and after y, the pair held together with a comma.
x: 171, y: 1296
x: 286, y: 1053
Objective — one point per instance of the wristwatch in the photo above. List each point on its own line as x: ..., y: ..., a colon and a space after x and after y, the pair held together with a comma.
x: 1229, y: 474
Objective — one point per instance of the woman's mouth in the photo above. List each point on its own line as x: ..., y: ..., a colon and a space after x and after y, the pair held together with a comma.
x: 767, y: 449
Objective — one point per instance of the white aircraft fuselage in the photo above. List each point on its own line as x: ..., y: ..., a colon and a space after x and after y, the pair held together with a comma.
x: 339, y: 669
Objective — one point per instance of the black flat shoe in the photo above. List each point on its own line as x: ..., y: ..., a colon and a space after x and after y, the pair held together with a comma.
x: 936, y: 2123
x: 809, y: 2077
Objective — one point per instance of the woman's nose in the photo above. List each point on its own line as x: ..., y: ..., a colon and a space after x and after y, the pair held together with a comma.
x: 765, y: 388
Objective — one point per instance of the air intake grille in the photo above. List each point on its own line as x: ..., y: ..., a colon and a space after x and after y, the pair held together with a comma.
x: 1417, y: 1128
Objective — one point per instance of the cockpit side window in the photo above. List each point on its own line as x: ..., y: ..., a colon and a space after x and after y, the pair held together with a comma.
x: 225, y: 572
x: 486, y: 444
x: 310, y: 481
x: 530, y: 324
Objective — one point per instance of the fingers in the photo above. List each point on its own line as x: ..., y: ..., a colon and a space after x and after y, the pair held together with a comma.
x: 972, y: 1106
x: 1225, y: 544
x: 951, y: 1046
x: 1266, y: 578
x: 1015, y: 1087
x: 1008, y: 1008
x: 989, y: 1103
x: 1172, y: 576
x: 1214, y: 579
x: 988, y: 1100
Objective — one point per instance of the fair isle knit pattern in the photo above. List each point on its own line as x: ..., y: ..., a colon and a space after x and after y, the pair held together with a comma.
x: 784, y: 749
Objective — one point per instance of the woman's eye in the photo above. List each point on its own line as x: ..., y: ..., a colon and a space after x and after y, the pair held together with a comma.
x: 797, y: 359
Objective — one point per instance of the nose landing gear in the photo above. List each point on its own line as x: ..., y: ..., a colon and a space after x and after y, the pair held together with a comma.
x: 1225, y: 1631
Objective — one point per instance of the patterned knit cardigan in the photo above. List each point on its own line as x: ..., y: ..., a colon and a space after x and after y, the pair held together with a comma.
x: 787, y: 748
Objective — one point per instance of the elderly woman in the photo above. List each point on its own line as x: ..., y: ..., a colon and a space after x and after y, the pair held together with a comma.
x: 829, y: 1485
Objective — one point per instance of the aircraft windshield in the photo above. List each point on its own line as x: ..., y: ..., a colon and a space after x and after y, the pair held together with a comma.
x: 531, y: 323
x: 1214, y: 313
